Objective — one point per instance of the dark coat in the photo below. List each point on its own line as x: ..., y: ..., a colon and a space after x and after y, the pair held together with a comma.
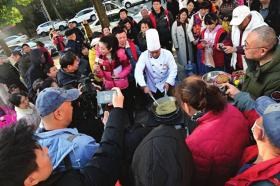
x: 103, y: 169
x: 173, y: 7
x: 64, y: 78
x: 273, y: 14
x: 74, y: 46
x: 34, y: 72
x: 162, y: 158
x: 163, y: 25
x: 23, y: 64
x: 9, y: 75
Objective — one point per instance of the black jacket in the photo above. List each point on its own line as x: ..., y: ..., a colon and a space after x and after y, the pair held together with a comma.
x: 273, y: 14
x: 74, y: 46
x: 163, y: 158
x: 163, y: 28
x: 64, y: 78
x: 23, y: 65
x: 9, y: 75
x: 103, y: 169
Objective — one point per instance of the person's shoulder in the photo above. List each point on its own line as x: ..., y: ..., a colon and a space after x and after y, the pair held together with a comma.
x: 67, y: 178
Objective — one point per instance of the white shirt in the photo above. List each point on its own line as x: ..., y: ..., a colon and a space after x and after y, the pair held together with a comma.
x: 157, y: 71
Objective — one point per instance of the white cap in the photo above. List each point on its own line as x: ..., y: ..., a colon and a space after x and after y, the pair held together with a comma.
x: 152, y: 39
x: 239, y: 14
x: 94, y: 41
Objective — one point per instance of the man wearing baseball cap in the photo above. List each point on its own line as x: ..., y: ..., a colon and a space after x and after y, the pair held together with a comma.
x: 243, y: 22
x: 55, y: 108
x: 261, y: 163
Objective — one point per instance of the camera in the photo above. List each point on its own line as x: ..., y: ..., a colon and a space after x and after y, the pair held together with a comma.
x: 87, y: 86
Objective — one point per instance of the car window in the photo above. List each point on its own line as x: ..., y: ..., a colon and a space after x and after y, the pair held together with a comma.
x: 114, y: 6
x: 83, y: 13
x: 108, y: 7
x: 10, y: 38
x: 114, y: 17
x: 97, y: 23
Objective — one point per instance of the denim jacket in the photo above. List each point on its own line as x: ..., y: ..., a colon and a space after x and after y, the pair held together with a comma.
x: 68, y: 141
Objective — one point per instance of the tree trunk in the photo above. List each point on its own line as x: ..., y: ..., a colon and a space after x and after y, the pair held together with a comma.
x: 5, y: 47
x: 101, y: 13
x: 56, y: 11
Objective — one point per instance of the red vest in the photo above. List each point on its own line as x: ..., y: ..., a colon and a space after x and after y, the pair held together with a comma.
x: 218, y: 56
x: 133, y: 49
x: 153, y: 19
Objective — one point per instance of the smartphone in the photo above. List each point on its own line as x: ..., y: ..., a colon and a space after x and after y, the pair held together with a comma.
x: 105, y: 97
x: 222, y: 47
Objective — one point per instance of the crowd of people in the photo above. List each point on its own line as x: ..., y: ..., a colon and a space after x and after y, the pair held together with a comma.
x: 165, y: 123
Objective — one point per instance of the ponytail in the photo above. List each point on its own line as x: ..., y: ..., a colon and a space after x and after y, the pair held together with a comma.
x: 200, y: 96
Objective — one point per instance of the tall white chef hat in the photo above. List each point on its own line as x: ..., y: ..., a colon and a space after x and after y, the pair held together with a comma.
x: 152, y: 39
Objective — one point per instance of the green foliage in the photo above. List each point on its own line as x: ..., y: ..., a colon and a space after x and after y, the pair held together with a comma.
x: 9, y: 12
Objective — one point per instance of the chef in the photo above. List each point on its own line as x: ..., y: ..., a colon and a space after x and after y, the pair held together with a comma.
x: 156, y: 69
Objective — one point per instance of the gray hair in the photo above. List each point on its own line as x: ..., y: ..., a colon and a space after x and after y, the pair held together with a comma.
x: 266, y: 35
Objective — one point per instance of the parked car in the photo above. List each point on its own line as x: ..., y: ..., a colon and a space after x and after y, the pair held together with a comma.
x: 113, y: 18
x: 130, y: 3
x: 15, y: 39
x: 44, y: 28
x: 85, y: 14
x: 48, y: 45
x: 90, y: 14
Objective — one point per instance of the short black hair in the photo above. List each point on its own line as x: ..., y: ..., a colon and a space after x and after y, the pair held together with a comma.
x: 146, y: 21
x: 123, y: 10
x: 117, y: 30
x: 16, y: 52
x: 159, y: 1
x: 17, y: 152
x: 47, y: 68
x: 67, y: 59
x: 204, y: 5
x: 210, y: 18
x: 40, y: 44
x: 15, y: 98
x: 25, y: 44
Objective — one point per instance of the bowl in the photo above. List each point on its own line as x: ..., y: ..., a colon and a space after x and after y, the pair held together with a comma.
x: 210, y: 77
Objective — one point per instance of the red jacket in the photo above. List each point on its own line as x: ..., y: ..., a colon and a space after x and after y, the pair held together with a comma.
x: 217, y: 144
x: 107, y: 70
x: 262, y: 171
x: 218, y: 56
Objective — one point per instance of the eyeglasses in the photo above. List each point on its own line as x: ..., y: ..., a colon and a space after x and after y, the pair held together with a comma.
x: 245, y: 47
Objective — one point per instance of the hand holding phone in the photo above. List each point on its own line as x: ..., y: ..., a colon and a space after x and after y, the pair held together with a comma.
x: 105, y: 97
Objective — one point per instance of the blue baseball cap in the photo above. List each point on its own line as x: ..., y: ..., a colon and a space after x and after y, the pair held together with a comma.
x: 262, y: 103
x: 51, y: 98
x: 271, y: 118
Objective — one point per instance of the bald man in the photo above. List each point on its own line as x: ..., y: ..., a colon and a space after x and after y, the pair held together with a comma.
x: 262, y: 53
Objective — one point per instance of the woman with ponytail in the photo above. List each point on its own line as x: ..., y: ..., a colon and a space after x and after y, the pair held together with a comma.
x: 220, y: 136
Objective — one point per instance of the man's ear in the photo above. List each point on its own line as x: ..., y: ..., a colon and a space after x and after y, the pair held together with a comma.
x: 58, y: 114
x: 31, y: 180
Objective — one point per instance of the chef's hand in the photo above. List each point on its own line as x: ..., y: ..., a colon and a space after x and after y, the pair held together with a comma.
x: 146, y: 90
x: 166, y: 86
x: 229, y: 49
x: 232, y: 91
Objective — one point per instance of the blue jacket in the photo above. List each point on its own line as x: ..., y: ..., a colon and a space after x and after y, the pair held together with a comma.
x: 68, y: 141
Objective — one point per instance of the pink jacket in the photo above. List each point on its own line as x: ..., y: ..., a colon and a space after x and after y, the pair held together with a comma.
x: 217, y: 145
x: 107, y: 71
x: 9, y: 116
